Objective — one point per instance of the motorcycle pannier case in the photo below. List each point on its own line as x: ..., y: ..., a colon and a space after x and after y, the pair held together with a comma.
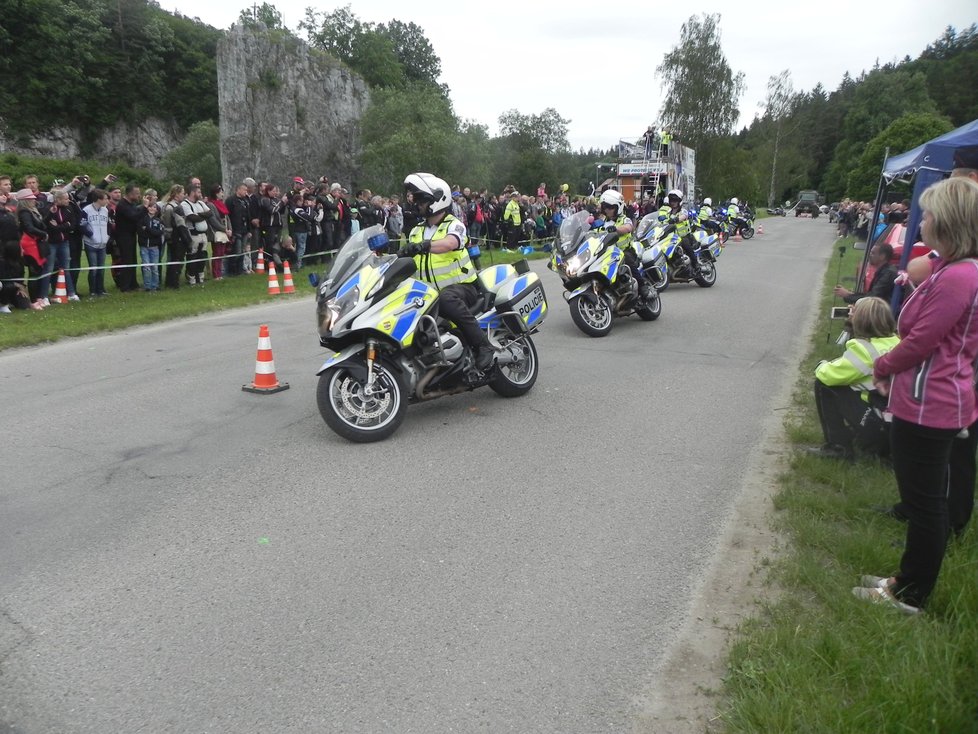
x: 524, y: 295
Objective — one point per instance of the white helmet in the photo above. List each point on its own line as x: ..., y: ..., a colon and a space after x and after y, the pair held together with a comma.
x: 613, y: 198
x: 675, y: 193
x: 734, y: 200
x: 428, y: 187
x: 708, y: 201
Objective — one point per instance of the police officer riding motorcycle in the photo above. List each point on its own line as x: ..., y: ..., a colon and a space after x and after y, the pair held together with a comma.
x: 438, y: 246
x: 672, y: 212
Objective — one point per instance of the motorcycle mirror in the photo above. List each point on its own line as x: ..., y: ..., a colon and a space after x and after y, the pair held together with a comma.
x: 313, y: 280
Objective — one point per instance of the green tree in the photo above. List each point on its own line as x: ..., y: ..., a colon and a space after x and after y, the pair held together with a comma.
x: 199, y: 155
x: 903, y: 134
x: 701, y: 90
x: 546, y: 131
x: 264, y: 15
x: 777, y: 108
x: 405, y: 130
x: 385, y: 55
x: 413, y: 50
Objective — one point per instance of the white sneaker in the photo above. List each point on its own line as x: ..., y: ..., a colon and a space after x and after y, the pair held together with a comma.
x: 46, y: 302
x: 74, y: 297
x: 882, y: 595
x: 4, y: 309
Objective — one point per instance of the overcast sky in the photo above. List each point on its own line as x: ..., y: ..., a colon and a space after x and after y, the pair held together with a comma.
x: 583, y: 58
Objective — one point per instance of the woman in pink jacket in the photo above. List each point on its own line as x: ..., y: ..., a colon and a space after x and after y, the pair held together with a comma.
x: 930, y: 378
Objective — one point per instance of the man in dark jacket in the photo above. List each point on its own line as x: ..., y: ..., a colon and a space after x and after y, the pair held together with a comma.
x: 128, y: 213
x: 239, y: 215
x: 881, y: 285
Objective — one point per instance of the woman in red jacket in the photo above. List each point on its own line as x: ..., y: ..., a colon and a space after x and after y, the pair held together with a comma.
x: 930, y: 380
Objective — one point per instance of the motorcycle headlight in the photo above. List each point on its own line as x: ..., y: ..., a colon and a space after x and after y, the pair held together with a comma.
x: 575, y: 263
x: 333, y: 309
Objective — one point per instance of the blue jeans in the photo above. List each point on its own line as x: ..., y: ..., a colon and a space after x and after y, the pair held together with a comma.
x: 96, y: 276
x: 150, y: 257
x: 59, y: 258
x: 300, y: 246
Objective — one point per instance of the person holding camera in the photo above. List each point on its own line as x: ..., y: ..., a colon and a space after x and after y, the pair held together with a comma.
x: 849, y: 407
x: 881, y: 285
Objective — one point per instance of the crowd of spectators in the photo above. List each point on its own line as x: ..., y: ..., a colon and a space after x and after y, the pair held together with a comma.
x: 188, y: 235
x: 853, y: 217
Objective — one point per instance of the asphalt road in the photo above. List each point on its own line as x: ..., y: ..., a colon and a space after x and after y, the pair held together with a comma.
x: 177, y: 555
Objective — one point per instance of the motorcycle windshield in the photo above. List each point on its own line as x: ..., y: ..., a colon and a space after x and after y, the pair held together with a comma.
x: 646, y: 224
x: 572, y: 231
x: 353, y: 255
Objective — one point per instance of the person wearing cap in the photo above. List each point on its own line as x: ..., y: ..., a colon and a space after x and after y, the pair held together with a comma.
x: 513, y: 220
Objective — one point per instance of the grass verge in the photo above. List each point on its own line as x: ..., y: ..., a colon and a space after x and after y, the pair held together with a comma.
x: 819, y: 660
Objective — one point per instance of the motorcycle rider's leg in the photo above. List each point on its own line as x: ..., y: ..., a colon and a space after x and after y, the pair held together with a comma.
x: 631, y: 260
x: 689, y: 247
x: 455, y: 304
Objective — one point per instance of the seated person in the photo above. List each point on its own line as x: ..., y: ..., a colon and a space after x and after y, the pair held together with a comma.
x: 881, y: 258
x: 849, y: 408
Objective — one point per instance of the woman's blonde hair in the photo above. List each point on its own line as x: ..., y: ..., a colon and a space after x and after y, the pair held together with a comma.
x: 871, y: 317
x: 953, y: 206
x: 174, y: 190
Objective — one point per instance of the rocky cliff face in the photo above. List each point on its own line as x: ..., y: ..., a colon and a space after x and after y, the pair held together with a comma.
x: 141, y: 145
x: 286, y: 110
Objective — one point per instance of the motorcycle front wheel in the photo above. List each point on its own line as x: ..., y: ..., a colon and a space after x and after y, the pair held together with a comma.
x: 516, y: 378
x: 707, y: 274
x: 652, y: 308
x: 592, y: 314
x: 353, y: 414
x: 747, y: 232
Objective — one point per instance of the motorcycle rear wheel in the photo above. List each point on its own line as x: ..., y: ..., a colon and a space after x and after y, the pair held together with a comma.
x: 708, y: 274
x: 592, y: 314
x: 515, y: 379
x: 352, y: 414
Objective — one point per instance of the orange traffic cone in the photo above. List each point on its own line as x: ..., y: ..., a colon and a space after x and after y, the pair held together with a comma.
x: 260, y: 262
x: 273, y: 289
x: 737, y: 237
x: 60, y: 289
x: 287, y: 285
x: 760, y: 229
x: 265, y: 381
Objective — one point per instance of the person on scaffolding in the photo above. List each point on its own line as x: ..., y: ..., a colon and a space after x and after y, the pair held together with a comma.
x: 650, y: 147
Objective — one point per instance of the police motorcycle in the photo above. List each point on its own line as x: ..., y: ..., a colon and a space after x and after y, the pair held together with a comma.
x: 598, y: 284
x: 676, y: 263
x: 391, y: 348
x: 743, y: 223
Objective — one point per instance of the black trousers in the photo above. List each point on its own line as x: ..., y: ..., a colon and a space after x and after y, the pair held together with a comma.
x: 176, y: 252
x: 920, y: 458
x: 126, y: 249
x: 455, y: 303
x: 961, y: 480
x: 513, y: 236
x: 848, y: 421
x: 961, y: 474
